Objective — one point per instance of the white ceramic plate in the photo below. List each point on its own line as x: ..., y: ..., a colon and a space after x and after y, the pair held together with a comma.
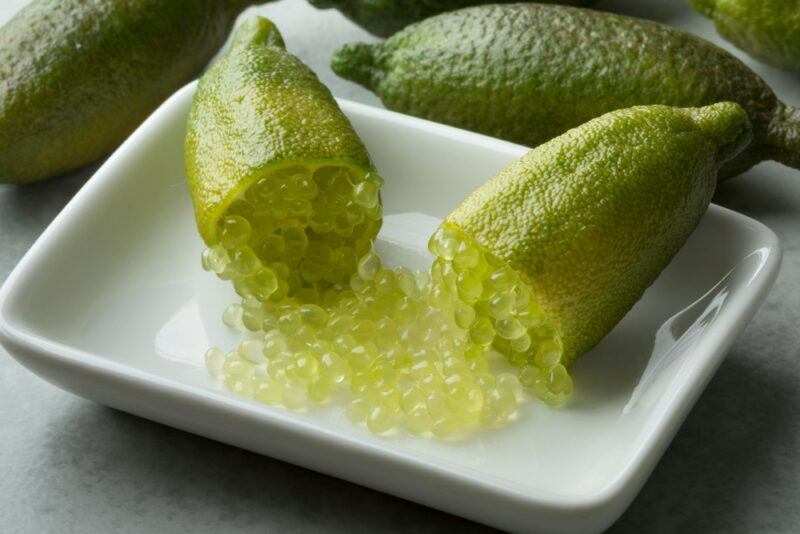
x: 111, y: 304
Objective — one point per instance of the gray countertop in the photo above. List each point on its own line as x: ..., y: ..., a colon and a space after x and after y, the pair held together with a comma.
x: 68, y: 465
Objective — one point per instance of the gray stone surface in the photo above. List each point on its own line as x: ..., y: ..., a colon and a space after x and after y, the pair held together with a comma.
x: 67, y: 465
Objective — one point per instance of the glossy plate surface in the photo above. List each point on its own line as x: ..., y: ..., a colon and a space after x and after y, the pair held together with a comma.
x: 111, y: 304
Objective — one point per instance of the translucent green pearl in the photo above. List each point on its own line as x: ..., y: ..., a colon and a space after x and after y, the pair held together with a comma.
x: 215, y: 359
x: 369, y: 266
x: 235, y: 232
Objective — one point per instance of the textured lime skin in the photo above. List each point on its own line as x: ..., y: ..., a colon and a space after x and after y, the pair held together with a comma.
x: 257, y: 109
x: 385, y: 17
x: 77, y: 77
x: 768, y: 30
x: 592, y: 217
x: 528, y: 72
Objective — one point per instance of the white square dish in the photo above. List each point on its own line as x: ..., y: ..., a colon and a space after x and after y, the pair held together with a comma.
x: 111, y: 304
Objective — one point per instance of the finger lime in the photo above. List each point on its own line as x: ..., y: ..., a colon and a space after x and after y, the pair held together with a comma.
x: 284, y: 191
x: 573, y: 233
x: 529, y: 72
x: 77, y: 77
x: 768, y: 30
x: 385, y: 17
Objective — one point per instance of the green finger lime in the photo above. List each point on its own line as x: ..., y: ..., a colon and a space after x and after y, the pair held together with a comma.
x: 77, y: 77
x: 572, y: 234
x: 529, y: 72
x: 284, y: 192
x: 768, y: 30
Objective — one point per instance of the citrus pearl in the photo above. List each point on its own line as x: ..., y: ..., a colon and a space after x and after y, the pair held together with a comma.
x: 235, y: 232
x: 530, y: 316
x: 501, y: 304
x: 466, y: 256
x: 295, y: 239
x: 340, y: 184
x: 318, y: 252
x: 558, y: 380
x: 386, y: 332
x: 412, y: 398
x: 381, y: 419
x: 313, y: 315
x: 439, y: 298
x: 244, y: 261
x: 369, y: 266
x: 234, y: 366
x: 273, y: 248
x: 268, y: 391
x: 528, y: 376
x: 482, y: 332
x: 509, y: 328
x: 232, y: 317
x: 406, y: 282
x: 357, y: 410
x: 364, y: 330
x: 464, y: 315
x: 521, y: 343
x: 306, y: 366
x: 365, y: 194
x: 252, y: 350
x: 502, y: 279
x: 334, y: 367
x: 242, y: 386
x: 215, y: 259
x: 290, y: 323
x: 418, y: 421
x: 436, y: 402
x: 547, y: 355
x: 444, y: 428
x: 305, y: 188
x: 340, y: 324
x: 502, y: 400
x: 478, y: 365
x: 214, y: 358
x: 265, y: 282
x: 360, y: 357
x: 320, y: 389
x: 510, y: 382
x: 295, y: 396
x: 241, y: 208
x: 469, y: 287
x: 253, y: 318
x: 443, y: 243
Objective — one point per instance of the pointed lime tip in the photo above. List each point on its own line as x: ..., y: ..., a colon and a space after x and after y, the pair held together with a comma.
x: 704, y: 7
x: 257, y: 31
x: 355, y: 62
x: 728, y: 124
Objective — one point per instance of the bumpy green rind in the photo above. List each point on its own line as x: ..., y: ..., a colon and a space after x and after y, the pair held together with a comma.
x: 528, y: 72
x: 385, y: 17
x: 768, y: 30
x: 77, y: 77
x: 257, y: 109
x: 592, y: 217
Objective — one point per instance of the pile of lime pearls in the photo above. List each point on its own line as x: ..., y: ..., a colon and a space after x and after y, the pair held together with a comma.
x: 489, y: 300
x: 296, y: 232
x: 435, y: 353
x: 396, y: 360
